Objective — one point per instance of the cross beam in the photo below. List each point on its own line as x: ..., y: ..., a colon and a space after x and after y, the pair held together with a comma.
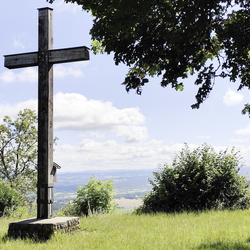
x: 55, y: 56
x: 44, y: 58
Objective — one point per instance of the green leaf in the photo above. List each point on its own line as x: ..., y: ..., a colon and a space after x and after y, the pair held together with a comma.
x: 179, y: 87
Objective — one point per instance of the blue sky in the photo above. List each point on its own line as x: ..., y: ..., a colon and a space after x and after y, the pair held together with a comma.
x: 100, y: 125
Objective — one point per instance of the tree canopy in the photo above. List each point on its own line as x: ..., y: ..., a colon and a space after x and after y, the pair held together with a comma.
x: 18, y: 151
x: 174, y: 39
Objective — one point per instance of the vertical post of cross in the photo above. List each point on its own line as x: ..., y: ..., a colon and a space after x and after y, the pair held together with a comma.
x: 45, y: 115
x: 44, y: 58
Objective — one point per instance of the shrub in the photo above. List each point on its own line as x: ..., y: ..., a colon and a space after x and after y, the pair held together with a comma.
x: 96, y: 197
x: 198, y: 180
x: 9, y: 199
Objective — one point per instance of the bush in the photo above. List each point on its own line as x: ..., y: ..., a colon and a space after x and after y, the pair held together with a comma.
x: 96, y: 197
x: 9, y: 199
x: 198, y: 180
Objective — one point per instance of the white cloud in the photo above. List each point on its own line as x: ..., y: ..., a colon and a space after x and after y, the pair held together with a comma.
x: 172, y: 150
x: 30, y: 75
x: 110, y: 154
x: 27, y: 75
x: 96, y: 155
x: 76, y: 112
x: 61, y: 71
x: 132, y: 133
x: 239, y: 140
x: 7, y: 76
x: 100, y: 127
x: 243, y: 131
x: 232, y: 98
x: 13, y: 110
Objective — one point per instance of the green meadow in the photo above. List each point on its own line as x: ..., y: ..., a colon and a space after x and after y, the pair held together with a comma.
x: 206, y: 230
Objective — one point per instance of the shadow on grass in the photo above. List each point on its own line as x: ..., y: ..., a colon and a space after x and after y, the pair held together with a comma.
x: 33, y: 239
x: 225, y: 245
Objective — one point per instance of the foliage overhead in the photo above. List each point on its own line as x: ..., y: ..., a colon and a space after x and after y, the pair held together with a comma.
x: 198, y: 180
x: 95, y: 197
x: 18, y: 151
x: 174, y: 39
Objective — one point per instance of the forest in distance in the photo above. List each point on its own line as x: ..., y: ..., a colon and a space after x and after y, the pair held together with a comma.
x: 129, y: 184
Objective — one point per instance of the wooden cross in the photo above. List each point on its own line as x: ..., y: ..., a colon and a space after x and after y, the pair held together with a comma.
x: 44, y: 58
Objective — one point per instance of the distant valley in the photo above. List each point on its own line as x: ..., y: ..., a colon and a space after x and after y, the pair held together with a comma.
x: 130, y: 185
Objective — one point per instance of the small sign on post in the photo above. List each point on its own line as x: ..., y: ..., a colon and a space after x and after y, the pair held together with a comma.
x: 53, y: 172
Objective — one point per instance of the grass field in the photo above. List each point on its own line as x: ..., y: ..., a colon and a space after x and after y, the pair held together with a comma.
x: 207, y: 230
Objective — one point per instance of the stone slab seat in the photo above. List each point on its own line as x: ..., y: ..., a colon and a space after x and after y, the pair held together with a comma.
x: 43, y: 229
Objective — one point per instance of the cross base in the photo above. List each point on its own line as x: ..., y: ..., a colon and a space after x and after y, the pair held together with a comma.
x: 43, y: 229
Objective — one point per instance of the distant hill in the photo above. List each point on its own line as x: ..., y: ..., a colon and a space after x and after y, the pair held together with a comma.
x: 129, y: 184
